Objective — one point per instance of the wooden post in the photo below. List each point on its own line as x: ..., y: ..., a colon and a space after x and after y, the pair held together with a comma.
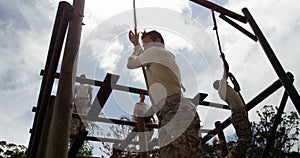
x: 77, y: 143
x: 56, y: 43
x: 46, y: 126
x: 222, y: 140
x: 60, y: 127
x: 284, y: 78
x: 271, y: 137
x: 116, y: 152
x: 141, y: 126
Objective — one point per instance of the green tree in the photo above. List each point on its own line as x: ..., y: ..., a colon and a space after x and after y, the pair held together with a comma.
x: 12, y: 150
x: 119, y: 132
x: 286, y: 136
x: 86, y: 149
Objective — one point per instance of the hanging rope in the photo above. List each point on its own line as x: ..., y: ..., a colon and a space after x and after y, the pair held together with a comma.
x: 137, y: 41
x: 216, y: 29
x: 226, y: 65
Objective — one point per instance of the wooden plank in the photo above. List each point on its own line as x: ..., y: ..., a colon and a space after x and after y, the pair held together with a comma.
x: 79, y: 140
x: 54, y: 52
x: 58, y: 143
x: 222, y: 140
x: 103, y: 94
x: 220, y: 9
x: 102, y: 84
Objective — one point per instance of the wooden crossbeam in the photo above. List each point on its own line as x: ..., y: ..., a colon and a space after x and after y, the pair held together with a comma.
x: 110, y: 120
x: 101, y: 139
x: 78, y: 141
x: 97, y: 105
x: 238, y: 27
x: 103, y: 94
x: 220, y: 9
x: 103, y: 84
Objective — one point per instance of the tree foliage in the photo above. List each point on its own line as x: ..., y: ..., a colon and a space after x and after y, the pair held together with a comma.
x: 86, y: 149
x: 119, y: 132
x: 12, y: 150
x: 285, y: 141
x: 286, y: 135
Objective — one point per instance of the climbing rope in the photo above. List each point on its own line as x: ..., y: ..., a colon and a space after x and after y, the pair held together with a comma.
x: 236, y: 85
x: 137, y: 41
x: 216, y: 29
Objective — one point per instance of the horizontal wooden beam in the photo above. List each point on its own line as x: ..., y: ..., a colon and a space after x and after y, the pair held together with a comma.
x: 103, y: 94
x: 103, y: 84
x: 220, y: 9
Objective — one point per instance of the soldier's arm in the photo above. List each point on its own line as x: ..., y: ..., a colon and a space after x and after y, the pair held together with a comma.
x: 226, y: 66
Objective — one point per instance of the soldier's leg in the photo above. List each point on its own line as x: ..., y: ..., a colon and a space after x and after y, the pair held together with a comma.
x: 182, y: 138
x: 242, y: 126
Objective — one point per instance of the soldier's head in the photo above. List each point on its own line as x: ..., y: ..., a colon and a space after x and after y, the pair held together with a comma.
x: 142, y: 97
x: 82, y: 76
x: 152, y: 38
x: 216, y: 84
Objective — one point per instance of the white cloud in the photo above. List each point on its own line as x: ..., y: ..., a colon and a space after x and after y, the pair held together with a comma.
x: 24, y: 35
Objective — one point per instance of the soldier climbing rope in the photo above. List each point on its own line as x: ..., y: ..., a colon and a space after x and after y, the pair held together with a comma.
x: 232, y: 96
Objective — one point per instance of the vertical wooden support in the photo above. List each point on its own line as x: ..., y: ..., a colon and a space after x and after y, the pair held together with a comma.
x: 141, y: 126
x: 77, y: 143
x: 46, y: 126
x: 56, y: 43
x: 222, y: 140
x: 60, y: 128
x: 288, y: 85
x: 271, y: 137
x: 116, y: 152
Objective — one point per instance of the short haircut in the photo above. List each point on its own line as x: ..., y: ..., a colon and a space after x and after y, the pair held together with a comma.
x: 82, y: 75
x: 216, y: 84
x: 153, y: 35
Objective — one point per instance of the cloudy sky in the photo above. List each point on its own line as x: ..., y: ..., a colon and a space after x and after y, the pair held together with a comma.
x: 26, y: 28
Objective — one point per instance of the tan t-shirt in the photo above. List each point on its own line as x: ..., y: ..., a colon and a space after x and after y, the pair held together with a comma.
x: 228, y: 94
x: 162, y: 72
x: 83, y: 91
x: 141, y: 106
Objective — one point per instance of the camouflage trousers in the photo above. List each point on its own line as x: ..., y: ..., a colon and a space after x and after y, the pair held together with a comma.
x: 179, y: 132
x: 242, y: 127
